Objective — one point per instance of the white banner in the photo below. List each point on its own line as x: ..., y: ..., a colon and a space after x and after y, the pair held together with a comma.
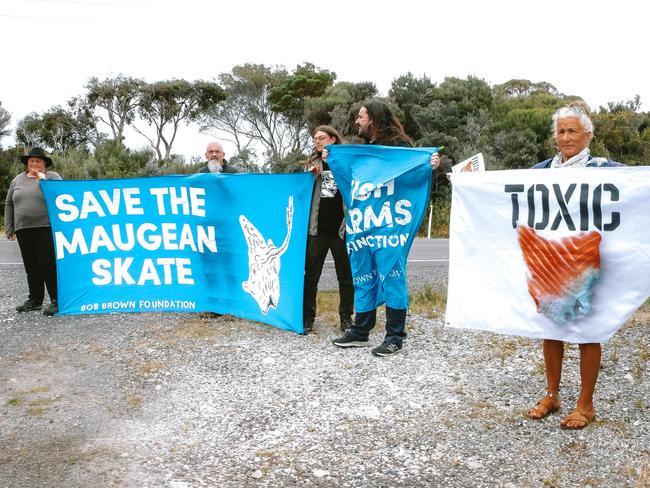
x: 555, y: 253
x: 472, y: 164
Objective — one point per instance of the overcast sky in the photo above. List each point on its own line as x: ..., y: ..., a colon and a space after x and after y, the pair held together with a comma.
x: 597, y: 50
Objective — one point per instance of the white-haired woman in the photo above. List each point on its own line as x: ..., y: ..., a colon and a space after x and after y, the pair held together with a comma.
x: 573, y: 131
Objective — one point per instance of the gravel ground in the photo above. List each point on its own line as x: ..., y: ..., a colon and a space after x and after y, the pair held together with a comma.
x: 171, y: 400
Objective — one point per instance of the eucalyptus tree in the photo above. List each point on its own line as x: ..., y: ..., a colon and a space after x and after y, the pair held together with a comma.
x: 521, y: 133
x: 115, y: 100
x: 10, y: 166
x: 247, y: 116
x: 409, y: 92
x: 59, y: 129
x: 165, y: 105
x: 336, y: 106
x: 5, y: 118
x: 289, y: 99
x: 458, y: 116
x: 622, y: 132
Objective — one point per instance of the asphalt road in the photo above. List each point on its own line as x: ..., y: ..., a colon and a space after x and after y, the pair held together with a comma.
x: 428, y: 263
x: 9, y: 253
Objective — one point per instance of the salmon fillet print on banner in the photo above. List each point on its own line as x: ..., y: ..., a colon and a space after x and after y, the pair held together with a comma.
x: 553, y: 254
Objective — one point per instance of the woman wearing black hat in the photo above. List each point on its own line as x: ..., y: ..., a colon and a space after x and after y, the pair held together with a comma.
x: 26, y: 218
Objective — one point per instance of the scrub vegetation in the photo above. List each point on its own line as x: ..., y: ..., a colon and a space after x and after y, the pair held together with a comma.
x: 269, y: 111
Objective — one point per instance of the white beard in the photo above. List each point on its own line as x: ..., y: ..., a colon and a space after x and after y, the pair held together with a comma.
x: 215, y: 166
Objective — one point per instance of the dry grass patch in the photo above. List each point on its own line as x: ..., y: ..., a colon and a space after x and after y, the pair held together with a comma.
x: 540, y: 368
x: 40, y: 352
x: 574, y: 447
x: 505, y: 349
x: 614, y: 350
x: 5, y: 456
x: 195, y: 329
x: 133, y: 402
x: 593, y: 481
x: 143, y: 367
x: 553, y: 480
x: 192, y: 329
x: 35, y: 411
x: 429, y: 301
x: 644, y: 474
x: 38, y: 405
x: 491, y: 346
x: 149, y: 367
x: 97, y: 348
x: 484, y: 410
x: 641, y: 317
x: 35, y: 404
x: 41, y: 402
x: 619, y: 428
x: 39, y: 389
x: 155, y: 341
x: 641, y: 363
x: 327, y: 306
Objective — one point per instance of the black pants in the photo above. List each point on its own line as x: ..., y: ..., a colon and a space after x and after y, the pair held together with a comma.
x: 37, y: 249
x: 364, y: 322
x: 317, y: 247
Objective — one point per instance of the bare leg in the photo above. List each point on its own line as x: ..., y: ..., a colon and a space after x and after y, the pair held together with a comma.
x: 553, y: 356
x: 589, y: 368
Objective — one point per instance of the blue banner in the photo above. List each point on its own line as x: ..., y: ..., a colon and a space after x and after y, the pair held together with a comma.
x: 224, y: 243
x: 385, y: 190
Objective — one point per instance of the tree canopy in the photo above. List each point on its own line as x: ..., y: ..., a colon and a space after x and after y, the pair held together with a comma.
x: 268, y: 113
x: 5, y: 118
x: 164, y: 105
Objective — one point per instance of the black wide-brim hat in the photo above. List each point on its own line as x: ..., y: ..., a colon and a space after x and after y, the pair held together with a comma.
x: 37, y: 152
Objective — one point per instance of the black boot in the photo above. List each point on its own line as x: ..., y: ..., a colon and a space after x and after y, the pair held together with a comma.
x: 346, y: 322
x: 51, y: 309
x: 28, y: 306
x: 307, y: 326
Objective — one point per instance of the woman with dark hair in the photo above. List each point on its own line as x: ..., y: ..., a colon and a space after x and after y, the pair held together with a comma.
x: 573, y: 131
x: 326, y: 233
x: 26, y: 219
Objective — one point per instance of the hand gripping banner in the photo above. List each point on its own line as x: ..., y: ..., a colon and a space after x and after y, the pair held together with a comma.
x: 385, y: 191
x: 221, y: 243
x: 553, y: 254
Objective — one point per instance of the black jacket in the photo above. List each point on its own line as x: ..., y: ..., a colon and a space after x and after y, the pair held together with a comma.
x: 227, y: 168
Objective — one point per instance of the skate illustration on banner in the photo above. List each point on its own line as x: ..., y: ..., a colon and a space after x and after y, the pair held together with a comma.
x: 263, y: 282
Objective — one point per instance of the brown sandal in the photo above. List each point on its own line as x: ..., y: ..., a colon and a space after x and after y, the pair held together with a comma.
x: 546, y: 406
x: 583, y: 417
